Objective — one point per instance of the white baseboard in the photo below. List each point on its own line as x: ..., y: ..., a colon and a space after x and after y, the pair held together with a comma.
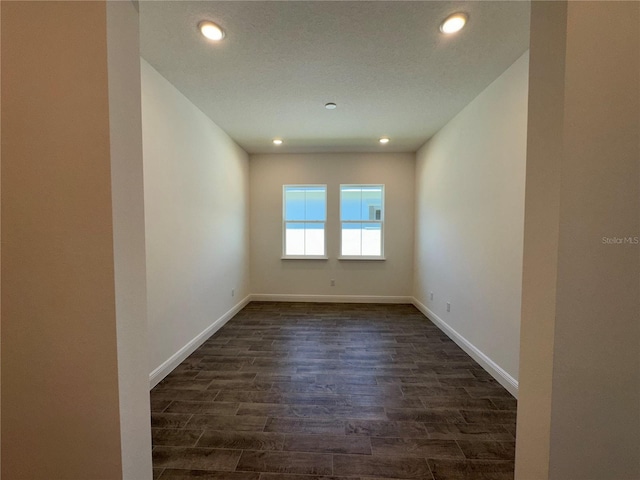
x: 506, y: 380
x: 177, y: 358
x: 275, y: 297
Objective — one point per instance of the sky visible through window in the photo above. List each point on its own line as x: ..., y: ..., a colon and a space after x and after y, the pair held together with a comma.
x: 305, y: 203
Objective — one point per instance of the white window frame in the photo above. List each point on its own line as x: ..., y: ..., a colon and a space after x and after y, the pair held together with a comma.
x: 381, y: 222
x: 284, y: 223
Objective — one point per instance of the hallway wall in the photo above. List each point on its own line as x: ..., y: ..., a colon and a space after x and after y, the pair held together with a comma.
x: 469, y: 223
x: 127, y: 199
x: 196, y: 212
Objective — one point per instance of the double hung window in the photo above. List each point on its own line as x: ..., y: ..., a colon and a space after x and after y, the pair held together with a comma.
x: 304, y: 219
x: 362, y: 221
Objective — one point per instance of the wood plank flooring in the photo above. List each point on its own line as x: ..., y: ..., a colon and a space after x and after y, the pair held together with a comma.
x: 298, y: 391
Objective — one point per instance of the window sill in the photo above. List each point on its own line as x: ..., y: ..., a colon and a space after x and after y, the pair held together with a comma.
x: 304, y: 257
x: 366, y: 259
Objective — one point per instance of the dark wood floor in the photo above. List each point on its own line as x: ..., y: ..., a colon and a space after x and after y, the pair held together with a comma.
x: 295, y: 391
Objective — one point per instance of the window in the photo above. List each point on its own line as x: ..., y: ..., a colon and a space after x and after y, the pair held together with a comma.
x: 362, y: 218
x: 304, y: 217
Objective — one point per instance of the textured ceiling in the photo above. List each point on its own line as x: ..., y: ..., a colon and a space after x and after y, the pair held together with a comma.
x: 386, y: 65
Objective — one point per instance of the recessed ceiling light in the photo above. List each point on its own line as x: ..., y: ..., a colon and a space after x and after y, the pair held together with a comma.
x: 277, y: 141
x: 454, y: 23
x: 330, y: 106
x: 384, y: 140
x: 211, y: 31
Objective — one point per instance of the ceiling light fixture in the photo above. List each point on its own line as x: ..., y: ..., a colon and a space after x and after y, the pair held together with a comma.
x: 211, y: 31
x: 330, y: 106
x: 277, y: 141
x: 454, y: 23
x: 384, y: 140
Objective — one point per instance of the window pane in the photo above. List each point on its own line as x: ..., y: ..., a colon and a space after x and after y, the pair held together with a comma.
x: 315, y: 204
x: 371, y: 203
x: 294, y: 198
x: 372, y: 239
x: 305, y: 203
x: 304, y: 238
x: 314, y: 239
x: 294, y: 239
x: 363, y: 239
x: 361, y: 203
x: 351, y: 239
x: 351, y: 203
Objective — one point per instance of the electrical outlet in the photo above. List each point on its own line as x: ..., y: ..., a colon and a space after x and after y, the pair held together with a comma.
x: 333, y: 282
x: 448, y: 307
x: 233, y: 292
x: 431, y: 296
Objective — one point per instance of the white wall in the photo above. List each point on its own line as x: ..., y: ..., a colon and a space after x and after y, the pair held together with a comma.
x: 469, y: 221
x: 60, y: 359
x: 127, y: 190
x: 196, y: 211
x: 579, y: 413
x: 273, y: 276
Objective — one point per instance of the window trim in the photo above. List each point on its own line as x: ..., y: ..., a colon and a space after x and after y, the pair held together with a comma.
x: 284, y: 223
x: 382, y: 221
